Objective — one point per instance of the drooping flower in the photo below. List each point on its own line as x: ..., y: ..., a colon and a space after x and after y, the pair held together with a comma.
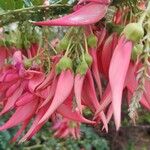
x: 80, y: 17
x: 117, y: 72
x: 65, y: 81
x: 65, y: 128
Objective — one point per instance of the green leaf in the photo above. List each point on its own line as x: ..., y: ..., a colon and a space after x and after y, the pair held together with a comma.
x: 7, y: 4
x: 18, y: 4
x: 11, y: 4
x: 37, y: 2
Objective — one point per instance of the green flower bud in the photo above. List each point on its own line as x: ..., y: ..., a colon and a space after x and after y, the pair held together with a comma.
x: 88, y: 58
x: 72, y: 124
x: 64, y: 63
x: 137, y: 50
x: 92, y: 41
x: 87, y: 112
x: 82, y: 68
x: 63, y: 44
x: 134, y: 32
x: 27, y: 63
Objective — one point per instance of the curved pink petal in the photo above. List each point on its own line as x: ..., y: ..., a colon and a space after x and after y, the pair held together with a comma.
x: 107, y: 52
x: 12, y: 89
x: 25, y: 98
x: 36, y: 80
x: 63, y: 90
x: 19, y: 132
x: 117, y: 74
x: 21, y: 114
x: 12, y: 100
x: 80, y: 17
x: 67, y: 112
x: 78, y: 84
x: 35, y: 127
x: 95, y: 70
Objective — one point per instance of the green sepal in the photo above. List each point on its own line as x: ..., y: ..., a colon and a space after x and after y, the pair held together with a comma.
x: 134, y: 32
x: 27, y: 63
x: 64, y: 63
x: 136, y: 51
x: 92, y: 41
x: 63, y: 44
x: 82, y: 68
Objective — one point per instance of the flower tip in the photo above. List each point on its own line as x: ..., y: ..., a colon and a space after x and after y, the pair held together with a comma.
x: 42, y: 120
x: 33, y: 22
x: 117, y: 127
x: 22, y: 140
x: 104, y: 128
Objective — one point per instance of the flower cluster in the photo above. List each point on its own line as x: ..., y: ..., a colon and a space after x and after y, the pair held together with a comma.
x: 90, y: 73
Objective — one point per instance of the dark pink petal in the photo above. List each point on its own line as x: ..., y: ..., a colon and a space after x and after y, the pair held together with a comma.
x: 95, y: 70
x: 107, y: 52
x: 50, y: 93
x: 11, y: 77
x: 48, y: 80
x: 37, y: 79
x: 21, y: 114
x: 89, y: 93
x: 12, y: 89
x: 4, y: 86
x: 12, y: 100
x: 78, y: 84
x: 106, y: 100
x: 109, y: 114
x: 101, y: 36
x: 44, y: 93
x: 19, y: 132
x: 5, y: 72
x: 25, y: 98
x: 33, y: 50
x: 67, y: 112
x: 35, y: 127
x: 90, y: 97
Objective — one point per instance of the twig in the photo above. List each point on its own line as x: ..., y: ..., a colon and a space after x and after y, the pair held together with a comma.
x: 32, y: 13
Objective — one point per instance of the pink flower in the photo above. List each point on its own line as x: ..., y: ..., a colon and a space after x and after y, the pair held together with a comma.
x: 80, y: 17
x: 65, y: 81
x: 78, y: 85
x: 65, y: 128
x: 117, y: 73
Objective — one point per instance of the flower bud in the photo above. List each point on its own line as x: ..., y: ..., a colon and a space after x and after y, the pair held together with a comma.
x: 27, y: 63
x: 82, y: 68
x: 92, y: 41
x: 134, y: 32
x: 137, y: 50
x: 63, y: 44
x: 88, y: 59
x: 64, y: 63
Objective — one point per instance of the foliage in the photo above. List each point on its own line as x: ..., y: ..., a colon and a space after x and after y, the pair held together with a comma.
x: 45, y: 141
x: 80, y: 49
